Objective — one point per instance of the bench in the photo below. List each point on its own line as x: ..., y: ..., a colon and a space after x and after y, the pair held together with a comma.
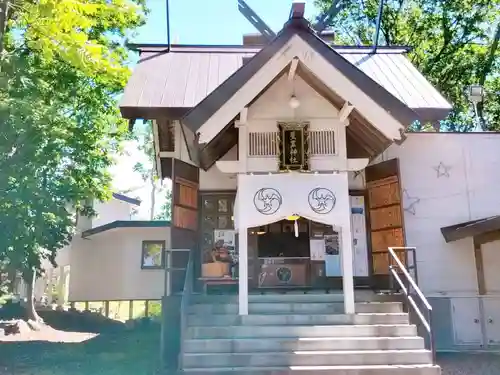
x: 207, y: 281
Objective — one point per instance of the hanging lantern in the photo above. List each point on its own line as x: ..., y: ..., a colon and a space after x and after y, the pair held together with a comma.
x: 295, y: 219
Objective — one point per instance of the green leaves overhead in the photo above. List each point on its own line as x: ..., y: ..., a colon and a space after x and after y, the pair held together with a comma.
x: 83, y: 33
x: 62, y: 69
x: 450, y: 40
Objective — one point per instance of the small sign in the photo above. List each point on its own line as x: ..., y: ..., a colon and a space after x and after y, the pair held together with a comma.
x: 332, y: 244
x: 318, y: 249
x: 293, y: 146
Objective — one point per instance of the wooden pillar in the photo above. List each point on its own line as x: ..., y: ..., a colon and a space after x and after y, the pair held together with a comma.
x: 61, y: 286
x: 106, y: 309
x: 480, y: 240
x: 146, y: 308
x: 131, y: 309
x: 50, y: 285
x: 478, y: 257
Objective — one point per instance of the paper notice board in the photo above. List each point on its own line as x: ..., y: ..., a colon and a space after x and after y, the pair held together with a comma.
x: 317, y: 247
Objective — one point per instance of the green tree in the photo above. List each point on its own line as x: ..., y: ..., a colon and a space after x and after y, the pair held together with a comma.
x: 147, y: 170
x: 454, y: 44
x: 165, y: 212
x: 62, y: 68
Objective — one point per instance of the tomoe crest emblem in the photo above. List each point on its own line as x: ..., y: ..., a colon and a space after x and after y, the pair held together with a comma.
x: 267, y: 201
x: 321, y: 200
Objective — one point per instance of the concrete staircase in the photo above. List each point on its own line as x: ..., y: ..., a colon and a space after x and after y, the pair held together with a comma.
x: 302, y: 334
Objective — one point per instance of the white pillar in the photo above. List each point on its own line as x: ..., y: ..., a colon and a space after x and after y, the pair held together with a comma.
x: 346, y: 255
x: 243, y: 271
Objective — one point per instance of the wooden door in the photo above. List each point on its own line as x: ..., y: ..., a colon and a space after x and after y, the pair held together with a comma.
x: 385, y: 216
x: 184, y: 230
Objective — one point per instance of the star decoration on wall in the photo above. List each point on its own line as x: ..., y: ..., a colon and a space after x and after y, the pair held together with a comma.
x: 410, y: 202
x: 442, y: 170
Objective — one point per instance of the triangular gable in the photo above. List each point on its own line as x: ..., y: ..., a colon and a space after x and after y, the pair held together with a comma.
x: 297, y: 39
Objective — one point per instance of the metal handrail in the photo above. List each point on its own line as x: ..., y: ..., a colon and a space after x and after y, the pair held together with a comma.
x: 407, y: 291
x: 187, y: 291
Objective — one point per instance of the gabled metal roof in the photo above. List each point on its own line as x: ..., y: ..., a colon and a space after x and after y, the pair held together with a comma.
x: 167, y: 84
x: 301, y: 28
x: 471, y: 228
x: 124, y: 198
x: 126, y: 224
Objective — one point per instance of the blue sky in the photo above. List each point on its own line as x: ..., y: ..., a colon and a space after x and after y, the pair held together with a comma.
x: 212, y: 21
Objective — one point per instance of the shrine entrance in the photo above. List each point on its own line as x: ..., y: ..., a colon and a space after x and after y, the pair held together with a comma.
x: 292, y: 254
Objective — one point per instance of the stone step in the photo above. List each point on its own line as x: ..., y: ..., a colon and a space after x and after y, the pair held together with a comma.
x: 360, y: 296
x: 303, y: 343
x: 308, y: 358
x: 227, y: 332
x: 294, y: 319
x: 323, y: 370
x: 295, y: 308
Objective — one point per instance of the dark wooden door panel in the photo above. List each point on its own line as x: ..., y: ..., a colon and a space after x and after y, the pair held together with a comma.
x: 385, y: 214
x: 383, y: 239
x: 386, y: 218
x: 384, y: 192
x: 185, y: 180
x: 185, y: 196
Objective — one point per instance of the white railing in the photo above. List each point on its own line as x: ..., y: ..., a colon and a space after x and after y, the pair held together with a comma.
x: 410, y: 290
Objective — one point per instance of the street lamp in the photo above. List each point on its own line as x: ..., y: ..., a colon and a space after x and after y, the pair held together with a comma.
x: 475, y: 94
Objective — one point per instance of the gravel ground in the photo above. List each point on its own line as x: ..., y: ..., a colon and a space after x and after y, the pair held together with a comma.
x: 469, y: 363
x: 48, y: 334
x: 108, y: 358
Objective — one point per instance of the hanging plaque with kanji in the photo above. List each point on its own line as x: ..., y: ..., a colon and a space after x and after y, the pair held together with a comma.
x: 293, y: 146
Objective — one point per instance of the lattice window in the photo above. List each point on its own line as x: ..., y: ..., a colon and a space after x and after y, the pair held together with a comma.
x: 322, y: 142
x: 262, y: 144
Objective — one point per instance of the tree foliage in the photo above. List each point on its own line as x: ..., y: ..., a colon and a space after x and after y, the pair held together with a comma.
x: 144, y: 136
x: 453, y: 45
x: 85, y: 34
x: 165, y: 212
x: 61, y: 70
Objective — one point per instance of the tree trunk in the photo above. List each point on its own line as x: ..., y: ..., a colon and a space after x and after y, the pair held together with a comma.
x: 11, y: 279
x: 4, y: 8
x: 153, y: 196
x: 30, y: 279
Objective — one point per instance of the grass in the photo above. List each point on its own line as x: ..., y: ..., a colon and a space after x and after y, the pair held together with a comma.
x: 120, y: 353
